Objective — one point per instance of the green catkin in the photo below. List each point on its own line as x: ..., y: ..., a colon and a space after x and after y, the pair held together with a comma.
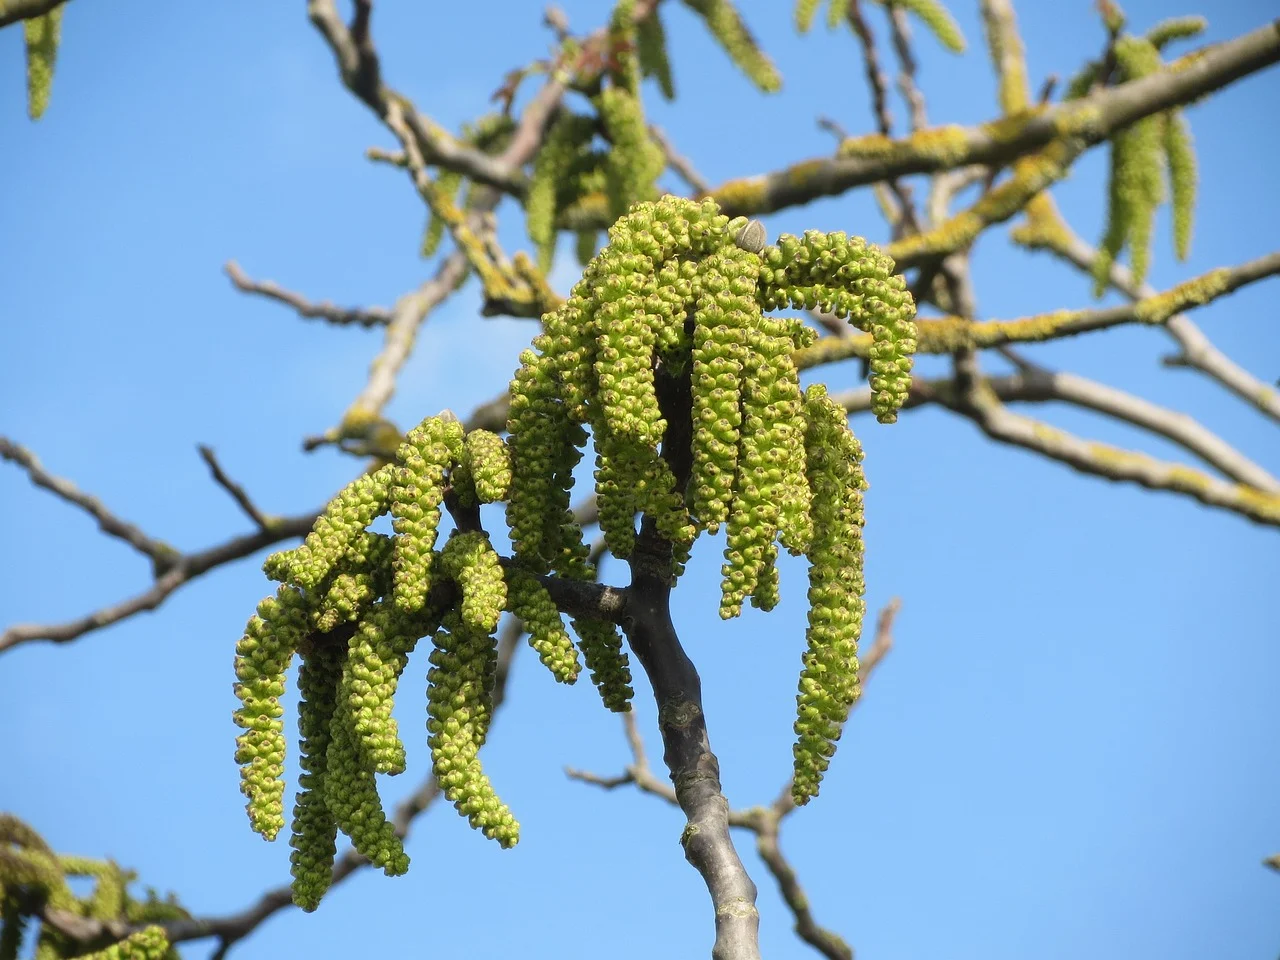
x: 721, y: 322
x: 805, y: 11
x: 634, y: 162
x: 568, y: 137
x: 448, y: 183
x: 601, y: 647
x: 725, y: 24
x: 829, y: 677
x: 376, y: 656
x: 1175, y: 28
x: 352, y: 797
x: 314, y: 829
x: 416, y: 494
x: 837, y: 10
x: 459, y: 707
x: 651, y: 51
x: 489, y: 461
x: 149, y: 943
x: 528, y: 600
x: 107, y: 900
x: 263, y: 655
x: 584, y: 246
x: 1135, y: 187
x: 1180, y: 161
x: 335, y: 532
x: 470, y: 561
x: 852, y: 279
x: 41, y: 34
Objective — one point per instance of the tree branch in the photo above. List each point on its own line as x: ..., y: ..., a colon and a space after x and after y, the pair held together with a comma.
x: 11, y: 11
x: 1198, y: 352
x: 234, y: 489
x: 1091, y: 120
x: 948, y: 334
x: 161, y: 554
x: 330, y: 313
x: 185, y: 567
x: 978, y: 402
x: 764, y: 822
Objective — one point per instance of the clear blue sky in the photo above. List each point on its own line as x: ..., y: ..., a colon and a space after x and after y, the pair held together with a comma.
x: 1072, y: 750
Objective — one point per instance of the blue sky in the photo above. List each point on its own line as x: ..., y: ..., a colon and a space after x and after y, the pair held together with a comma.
x: 1072, y: 749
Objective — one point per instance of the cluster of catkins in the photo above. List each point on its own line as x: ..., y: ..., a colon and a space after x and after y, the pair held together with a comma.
x: 33, y: 876
x: 353, y: 604
x: 1144, y: 153
x: 935, y: 17
x: 607, y: 156
x: 677, y: 297
x: 681, y: 292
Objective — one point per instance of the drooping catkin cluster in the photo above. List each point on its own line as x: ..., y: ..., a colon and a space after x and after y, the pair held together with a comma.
x: 679, y: 295
x: 353, y: 604
x: 935, y: 17
x: 1143, y: 154
x: 32, y: 877
x: 681, y: 290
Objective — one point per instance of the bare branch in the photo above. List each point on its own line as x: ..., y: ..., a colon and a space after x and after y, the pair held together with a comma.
x: 679, y: 163
x: 907, y: 87
x: 185, y: 567
x: 234, y: 489
x: 330, y: 313
x: 11, y: 11
x: 979, y: 402
x: 160, y: 552
x: 764, y: 822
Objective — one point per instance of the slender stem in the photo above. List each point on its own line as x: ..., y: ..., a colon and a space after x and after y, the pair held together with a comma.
x: 677, y: 689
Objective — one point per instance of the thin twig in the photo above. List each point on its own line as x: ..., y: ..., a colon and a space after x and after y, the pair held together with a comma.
x: 679, y: 163
x: 160, y: 552
x: 236, y: 491
x: 330, y: 313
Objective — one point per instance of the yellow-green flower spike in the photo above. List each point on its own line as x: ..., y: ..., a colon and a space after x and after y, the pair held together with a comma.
x: 584, y: 247
x: 418, y: 488
x: 107, y: 900
x: 651, y: 50
x: 361, y: 577
x: 262, y: 657
x: 352, y: 797
x: 725, y: 24
x: 805, y: 11
x: 528, y: 600
x: 459, y: 705
x: 622, y: 63
x: 634, y: 162
x: 829, y: 678
x: 1135, y: 189
x: 936, y: 18
x: 448, y: 183
x: 850, y: 278
x: 41, y: 35
x: 314, y: 830
x: 490, y: 464
x: 724, y: 314
x: 335, y: 532
x: 1175, y: 28
x: 376, y: 657
x: 470, y: 561
x: 568, y: 137
x: 601, y: 647
x: 1181, y: 164
x: 149, y: 943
